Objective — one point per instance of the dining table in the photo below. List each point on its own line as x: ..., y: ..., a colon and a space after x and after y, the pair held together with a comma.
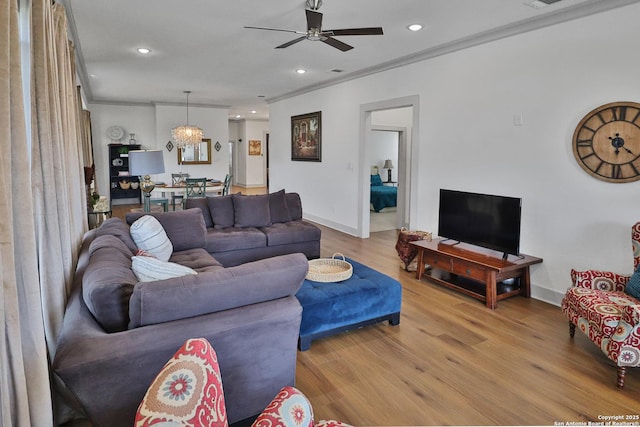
x: 213, y: 187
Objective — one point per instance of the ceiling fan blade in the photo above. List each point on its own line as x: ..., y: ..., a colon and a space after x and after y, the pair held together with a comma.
x: 277, y: 29
x: 337, y: 44
x: 371, y: 31
x: 294, y: 41
x: 314, y: 20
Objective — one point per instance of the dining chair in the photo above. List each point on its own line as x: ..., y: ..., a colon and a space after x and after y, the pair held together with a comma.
x: 227, y: 184
x: 177, y: 179
x: 195, y: 188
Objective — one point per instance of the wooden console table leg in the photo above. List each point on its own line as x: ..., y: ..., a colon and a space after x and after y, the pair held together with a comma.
x: 525, y: 285
x: 420, y: 269
x: 491, y: 293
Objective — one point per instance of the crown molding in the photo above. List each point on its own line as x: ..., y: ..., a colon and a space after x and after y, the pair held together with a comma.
x: 582, y: 10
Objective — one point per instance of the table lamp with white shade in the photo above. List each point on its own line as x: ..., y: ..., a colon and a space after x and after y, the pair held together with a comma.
x: 144, y: 163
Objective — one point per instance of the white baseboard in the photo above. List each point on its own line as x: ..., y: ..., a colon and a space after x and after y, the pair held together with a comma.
x: 340, y: 227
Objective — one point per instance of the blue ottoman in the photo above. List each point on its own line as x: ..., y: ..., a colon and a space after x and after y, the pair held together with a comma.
x: 367, y: 297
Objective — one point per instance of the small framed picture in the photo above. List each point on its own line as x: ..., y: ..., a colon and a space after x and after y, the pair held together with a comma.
x: 306, y: 137
x: 255, y: 147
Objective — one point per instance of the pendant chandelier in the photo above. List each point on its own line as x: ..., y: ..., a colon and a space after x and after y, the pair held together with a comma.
x: 187, y: 135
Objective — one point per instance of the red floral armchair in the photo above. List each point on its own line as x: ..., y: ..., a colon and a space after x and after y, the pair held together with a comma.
x: 188, y: 392
x: 599, y: 306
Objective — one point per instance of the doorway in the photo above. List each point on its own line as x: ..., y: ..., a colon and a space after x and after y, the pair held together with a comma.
x: 399, y: 115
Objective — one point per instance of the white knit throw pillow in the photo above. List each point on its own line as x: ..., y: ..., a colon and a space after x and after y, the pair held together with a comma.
x: 149, y: 269
x: 148, y: 235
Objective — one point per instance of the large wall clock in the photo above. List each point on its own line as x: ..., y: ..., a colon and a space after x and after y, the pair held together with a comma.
x: 606, y: 142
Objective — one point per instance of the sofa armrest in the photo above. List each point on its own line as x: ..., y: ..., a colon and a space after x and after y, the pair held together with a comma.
x: 602, y: 280
x: 223, y: 289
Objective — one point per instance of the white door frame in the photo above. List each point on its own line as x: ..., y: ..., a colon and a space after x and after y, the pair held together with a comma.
x: 410, y: 187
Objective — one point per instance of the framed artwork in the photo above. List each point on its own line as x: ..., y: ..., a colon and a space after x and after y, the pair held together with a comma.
x: 255, y: 147
x: 306, y: 137
x: 195, y: 154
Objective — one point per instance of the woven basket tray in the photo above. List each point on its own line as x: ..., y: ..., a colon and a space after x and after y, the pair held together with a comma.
x: 329, y: 269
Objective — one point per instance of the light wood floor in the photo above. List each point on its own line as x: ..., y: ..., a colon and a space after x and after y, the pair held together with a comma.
x: 452, y: 361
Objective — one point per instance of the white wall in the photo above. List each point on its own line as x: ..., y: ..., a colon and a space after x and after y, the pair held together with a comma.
x: 468, y: 140
x: 152, y: 125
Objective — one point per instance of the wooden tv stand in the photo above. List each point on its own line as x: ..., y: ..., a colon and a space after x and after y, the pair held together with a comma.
x: 474, y: 271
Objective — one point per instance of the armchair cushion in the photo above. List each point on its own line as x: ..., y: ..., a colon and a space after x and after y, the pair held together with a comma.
x: 633, y: 286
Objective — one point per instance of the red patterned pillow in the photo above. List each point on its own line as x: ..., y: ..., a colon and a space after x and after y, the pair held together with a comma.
x: 187, y: 391
x: 289, y: 408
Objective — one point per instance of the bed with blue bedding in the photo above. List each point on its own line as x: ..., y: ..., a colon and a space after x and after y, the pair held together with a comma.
x: 382, y: 196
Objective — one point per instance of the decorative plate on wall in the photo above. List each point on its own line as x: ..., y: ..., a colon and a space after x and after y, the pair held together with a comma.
x: 115, y: 133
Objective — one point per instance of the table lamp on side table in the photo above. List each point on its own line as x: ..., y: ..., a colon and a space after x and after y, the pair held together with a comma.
x: 144, y: 163
x: 388, y: 165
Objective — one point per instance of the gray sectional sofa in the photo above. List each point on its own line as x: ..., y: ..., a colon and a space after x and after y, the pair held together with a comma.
x: 243, y: 228
x: 117, y: 332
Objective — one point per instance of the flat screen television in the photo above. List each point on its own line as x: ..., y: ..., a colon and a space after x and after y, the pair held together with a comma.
x: 484, y: 220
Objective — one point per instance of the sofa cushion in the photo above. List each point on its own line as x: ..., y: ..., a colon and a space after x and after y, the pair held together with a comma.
x: 108, y: 282
x: 198, y: 259
x: 203, y: 204
x: 251, y: 211
x: 149, y: 269
x: 222, y: 212
x: 185, y: 229
x: 117, y: 227
x: 290, y: 232
x: 233, y: 239
x: 633, y: 285
x: 294, y: 206
x: 150, y: 236
x: 278, y: 207
x: 224, y: 289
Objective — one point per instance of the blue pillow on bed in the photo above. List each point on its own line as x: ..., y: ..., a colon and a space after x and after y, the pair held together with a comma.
x: 376, y: 181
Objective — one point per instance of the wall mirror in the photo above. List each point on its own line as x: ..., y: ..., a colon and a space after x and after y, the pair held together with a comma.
x: 195, y: 154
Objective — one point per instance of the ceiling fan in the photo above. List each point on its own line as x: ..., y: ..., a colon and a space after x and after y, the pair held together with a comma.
x: 315, y: 33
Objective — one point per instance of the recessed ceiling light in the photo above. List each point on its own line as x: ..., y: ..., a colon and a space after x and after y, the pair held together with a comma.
x: 144, y: 50
x: 415, y: 27
x: 301, y: 71
x: 253, y: 111
x: 238, y: 116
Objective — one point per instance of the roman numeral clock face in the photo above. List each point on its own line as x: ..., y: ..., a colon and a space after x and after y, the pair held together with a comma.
x: 606, y: 143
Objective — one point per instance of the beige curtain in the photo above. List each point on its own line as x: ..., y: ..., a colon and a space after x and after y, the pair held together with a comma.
x: 25, y: 398
x: 57, y: 174
x: 42, y: 205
